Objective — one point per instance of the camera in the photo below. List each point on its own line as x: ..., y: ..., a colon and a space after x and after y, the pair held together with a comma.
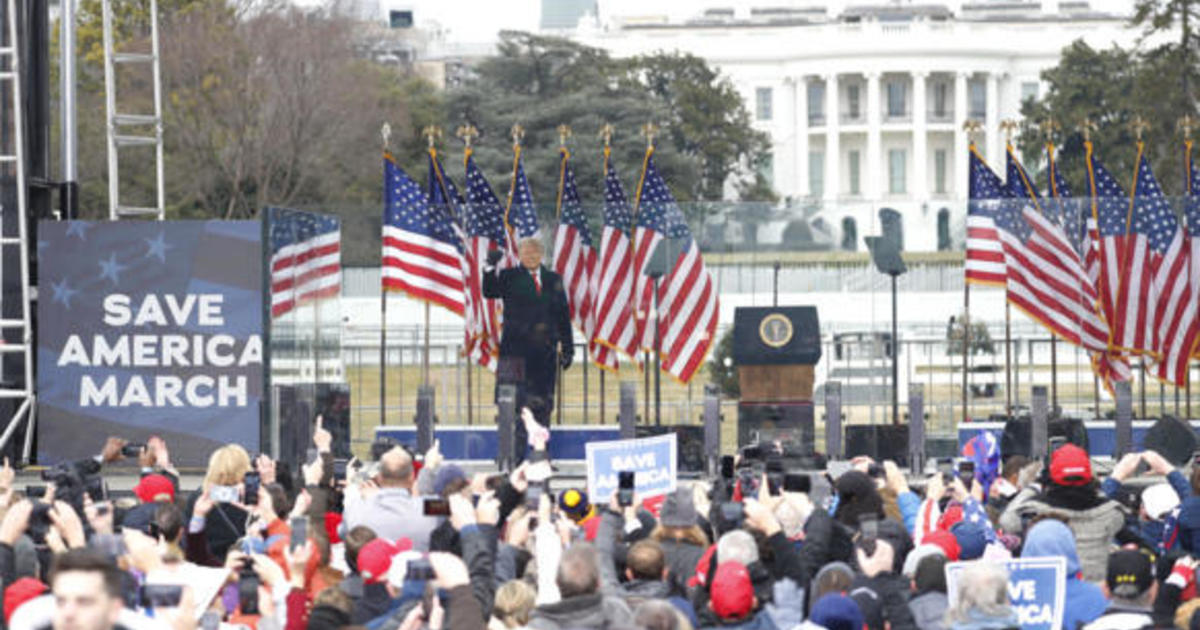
x: 252, y: 481
x: 419, y: 569
x: 132, y: 449
x: 248, y: 584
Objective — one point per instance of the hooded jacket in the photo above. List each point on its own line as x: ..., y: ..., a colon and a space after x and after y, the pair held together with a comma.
x: 1094, y: 521
x: 1084, y: 601
x: 929, y: 610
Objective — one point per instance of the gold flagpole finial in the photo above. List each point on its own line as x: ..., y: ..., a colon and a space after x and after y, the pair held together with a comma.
x: 518, y: 133
x: 972, y: 127
x: 564, y: 132
x: 1048, y: 127
x: 1139, y: 126
x: 606, y: 133
x: 467, y: 133
x: 1086, y: 127
x: 432, y: 134
x: 1187, y: 123
x: 386, y: 132
x: 650, y: 130
x: 1009, y: 126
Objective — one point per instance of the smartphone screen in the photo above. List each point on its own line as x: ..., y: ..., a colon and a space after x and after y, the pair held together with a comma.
x: 966, y: 472
x: 248, y: 584
x: 625, y: 488
x: 299, y: 531
x: 436, y: 507
x: 868, y: 526
x: 253, y: 481
x: 732, y: 512
x: 159, y: 595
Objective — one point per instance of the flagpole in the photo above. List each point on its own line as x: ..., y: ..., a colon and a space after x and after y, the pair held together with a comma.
x: 1008, y: 126
x: 466, y: 133
x: 563, y: 133
x: 606, y: 132
x: 386, y: 132
x: 648, y: 129
x: 969, y: 127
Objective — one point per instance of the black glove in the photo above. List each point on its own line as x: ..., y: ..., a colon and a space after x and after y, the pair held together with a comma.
x: 565, y: 359
x: 494, y: 257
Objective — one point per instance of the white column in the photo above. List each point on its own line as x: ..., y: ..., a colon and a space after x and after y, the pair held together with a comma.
x: 995, y: 149
x: 833, y: 150
x: 960, y: 136
x: 800, y: 124
x: 875, y: 168
x: 920, y: 189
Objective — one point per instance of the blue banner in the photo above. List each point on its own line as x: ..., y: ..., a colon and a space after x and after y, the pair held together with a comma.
x: 149, y: 328
x: 1037, y: 588
x: 652, y: 459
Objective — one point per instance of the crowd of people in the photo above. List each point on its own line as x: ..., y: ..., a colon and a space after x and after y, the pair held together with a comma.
x: 410, y: 541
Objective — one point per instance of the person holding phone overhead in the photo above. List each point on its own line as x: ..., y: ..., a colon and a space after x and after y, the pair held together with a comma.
x: 537, y: 336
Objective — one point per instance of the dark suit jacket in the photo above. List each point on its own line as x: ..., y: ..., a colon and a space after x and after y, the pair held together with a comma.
x: 534, y: 324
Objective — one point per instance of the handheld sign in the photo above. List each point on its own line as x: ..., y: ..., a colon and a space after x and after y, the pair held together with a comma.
x: 1037, y: 588
x: 652, y: 460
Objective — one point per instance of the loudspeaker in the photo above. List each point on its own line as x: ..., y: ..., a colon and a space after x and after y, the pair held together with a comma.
x: 690, y: 444
x: 1172, y: 438
x: 1018, y: 435
x: 768, y: 423
x: 878, y: 441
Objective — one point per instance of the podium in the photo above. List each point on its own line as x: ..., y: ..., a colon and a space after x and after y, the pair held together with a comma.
x: 776, y: 350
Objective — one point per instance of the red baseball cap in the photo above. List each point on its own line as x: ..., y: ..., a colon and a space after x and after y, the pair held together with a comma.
x: 946, y: 541
x: 19, y: 592
x: 375, y: 558
x: 732, y: 594
x: 152, y: 486
x: 1070, y: 466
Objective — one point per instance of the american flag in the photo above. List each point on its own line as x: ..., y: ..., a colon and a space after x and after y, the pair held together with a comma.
x: 985, y: 255
x: 575, y: 261
x: 615, y: 325
x: 306, y: 258
x: 687, y: 296
x: 1046, y: 278
x: 1152, y: 227
x: 483, y: 221
x: 1192, y: 214
x: 520, y: 216
x: 1108, y: 365
x: 422, y: 251
x: 1110, y: 213
x: 1177, y: 323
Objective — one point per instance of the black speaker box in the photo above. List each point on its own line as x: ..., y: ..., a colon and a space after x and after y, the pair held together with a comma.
x: 1172, y: 438
x: 690, y: 443
x: 1018, y: 434
x: 878, y: 441
x: 791, y: 423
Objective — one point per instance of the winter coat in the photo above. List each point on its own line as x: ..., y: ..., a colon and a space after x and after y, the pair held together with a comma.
x: 682, y: 558
x: 929, y: 610
x: 1118, y: 618
x: 891, y: 591
x: 583, y: 612
x: 760, y: 621
x: 1084, y: 600
x: 1094, y: 521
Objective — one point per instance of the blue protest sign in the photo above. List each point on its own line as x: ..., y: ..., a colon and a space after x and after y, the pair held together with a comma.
x: 1037, y: 588
x: 149, y: 328
x: 652, y: 460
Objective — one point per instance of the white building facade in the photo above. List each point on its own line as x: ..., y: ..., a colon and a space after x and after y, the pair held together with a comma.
x: 866, y: 109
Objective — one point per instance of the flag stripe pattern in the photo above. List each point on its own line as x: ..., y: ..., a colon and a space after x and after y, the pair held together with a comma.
x: 615, y: 325
x: 422, y: 252
x: 1177, y: 284
x: 985, y: 253
x: 575, y: 261
x: 1151, y: 227
x: 483, y: 220
x: 687, y: 297
x: 1045, y: 275
x: 1107, y: 365
x: 306, y: 258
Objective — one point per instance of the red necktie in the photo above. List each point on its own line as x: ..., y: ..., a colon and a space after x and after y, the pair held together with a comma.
x: 537, y: 281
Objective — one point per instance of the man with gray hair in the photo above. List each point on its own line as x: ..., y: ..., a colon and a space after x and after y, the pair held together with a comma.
x: 537, y: 335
